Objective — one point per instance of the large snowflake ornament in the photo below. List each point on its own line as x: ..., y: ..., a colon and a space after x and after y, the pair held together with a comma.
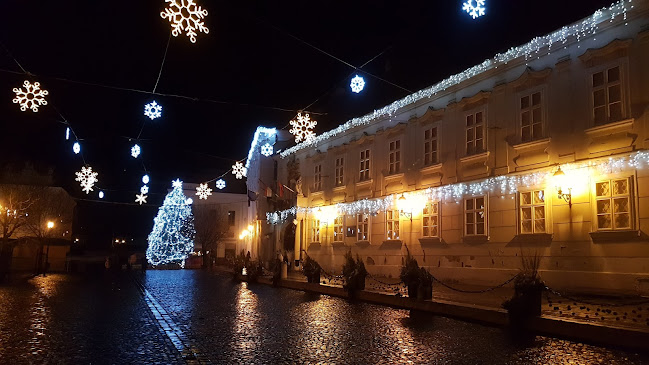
x: 357, y: 85
x: 31, y: 97
x: 203, y: 191
x: 303, y: 128
x: 476, y: 10
x: 135, y: 150
x: 185, y: 15
x: 239, y: 171
x: 153, y: 110
x: 267, y: 149
x: 220, y: 184
x: 140, y: 198
x: 87, y: 178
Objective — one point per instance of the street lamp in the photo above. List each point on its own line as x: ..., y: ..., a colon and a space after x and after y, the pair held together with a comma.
x: 50, y: 225
x: 561, y: 184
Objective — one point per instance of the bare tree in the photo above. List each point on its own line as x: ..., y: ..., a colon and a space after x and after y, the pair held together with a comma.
x: 211, y: 224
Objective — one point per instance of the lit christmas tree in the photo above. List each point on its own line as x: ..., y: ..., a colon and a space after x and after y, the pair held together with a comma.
x: 172, y: 237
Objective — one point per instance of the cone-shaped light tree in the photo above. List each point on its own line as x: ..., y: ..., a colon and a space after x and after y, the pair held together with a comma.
x: 172, y: 237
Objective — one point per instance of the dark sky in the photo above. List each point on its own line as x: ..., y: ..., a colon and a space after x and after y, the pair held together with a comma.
x: 247, y: 65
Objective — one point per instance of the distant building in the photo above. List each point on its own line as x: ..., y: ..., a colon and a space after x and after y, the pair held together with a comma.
x: 542, y: 153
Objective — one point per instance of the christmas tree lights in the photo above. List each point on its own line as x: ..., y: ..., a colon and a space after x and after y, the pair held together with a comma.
x: 31, y: 97
x: 172, y: 237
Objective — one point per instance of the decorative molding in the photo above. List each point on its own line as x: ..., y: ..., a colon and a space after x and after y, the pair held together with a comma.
x: 533, y: 145
x: 616, y: 236
x: 431, y: 169
x: 474, y: 101
x: 614, y: 50
x: 530, y: 78
x: 432, y: 116
x: 480, y: 157
x: 609, y: 128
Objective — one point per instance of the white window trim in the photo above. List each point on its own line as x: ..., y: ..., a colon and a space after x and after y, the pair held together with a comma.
x: 633, y: 201
x: 625, y: 88
x: 395, y: 212
x: 315, y: 226
x: 548, y: 210
x: 342, y: 230
x: 486, y: 215
x: 369, y: 227
x: 439, y: 220
x: 485, y: 123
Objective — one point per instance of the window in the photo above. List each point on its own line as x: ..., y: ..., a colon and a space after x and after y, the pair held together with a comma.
x: 392, y: 224
x: 340, y: 171
x: 474, y: 216
x: 315, y: 230
x: 339, y: 228
x: 430, y: 220
x: 613, y: 204
x: 363, y: 227
x: 532, y: 212
x: 365, y: 165
x: 474, y: 133
x: 430, y: 146
x: 607, y: 96
x: 231, y: 217
x: 394, y: 157
x: 531, y: 117
x: 317, y: 178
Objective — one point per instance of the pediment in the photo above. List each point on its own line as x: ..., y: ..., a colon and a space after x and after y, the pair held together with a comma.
x: 432, y: 116
x: 474, y: 101
x: 616, y: 49
x: 530, y: 78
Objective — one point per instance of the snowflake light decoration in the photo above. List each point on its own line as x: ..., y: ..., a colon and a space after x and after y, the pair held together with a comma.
x: 303, y: 128
x: 239, y: 171
x: 76, y: 148
x: 153, y: 110
x: 203, y: 191
x: 144, y: 189
x: 185, y: 15
x: 87, y: 178
x: 140, y: 198
x: 31, y: 97
x: 145, y: 179
x: 476, y: 10
x: 267, y: 150
x: 135, y: 151
x: 357, y: 85
x: 220, y: 184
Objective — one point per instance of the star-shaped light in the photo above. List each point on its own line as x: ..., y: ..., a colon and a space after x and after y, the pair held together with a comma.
x: 203, y: 191
x: 267, y: 150
x: 220, y: 184
x: 140, y: 198
x: 135, y: 151
x: 177, y: 183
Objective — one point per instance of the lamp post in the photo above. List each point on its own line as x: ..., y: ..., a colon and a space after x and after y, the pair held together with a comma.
x: 50, y: 225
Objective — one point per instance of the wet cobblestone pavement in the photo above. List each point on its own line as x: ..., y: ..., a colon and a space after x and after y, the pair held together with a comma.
x: 70, y: 320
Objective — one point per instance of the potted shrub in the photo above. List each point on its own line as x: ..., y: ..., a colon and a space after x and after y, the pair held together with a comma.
x: 528, y: 290
x: 311, y: 270
x: 354, y: 273
x: 425, y: 288
x: 410, y: 275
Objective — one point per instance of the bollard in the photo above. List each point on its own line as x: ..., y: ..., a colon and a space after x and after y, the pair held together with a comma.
x: 284, y: 270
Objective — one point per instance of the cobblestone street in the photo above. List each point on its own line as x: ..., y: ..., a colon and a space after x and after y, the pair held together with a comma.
x: 186, y: 316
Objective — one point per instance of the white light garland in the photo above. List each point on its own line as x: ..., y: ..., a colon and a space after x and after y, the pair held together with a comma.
x: 577, y: 31
x: 503, y: 185
x: 153, y: 110
x: 238, y: 170
x: 476, y: 10
x: 31, y: 97
x: 203, y: 191
x: 262, y: 134
x: 87, y: 178
x: 220, y: 184
x: 135, y: 151
x: 303, y: 128
x: 357, y: 84
x: 185, y: 15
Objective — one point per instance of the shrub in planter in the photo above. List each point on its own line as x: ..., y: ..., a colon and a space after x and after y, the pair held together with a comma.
x: 410, y: 275
x: 528, y: 290
x: 425, y: 288
x: 354, y: 273
x: 311, y: 270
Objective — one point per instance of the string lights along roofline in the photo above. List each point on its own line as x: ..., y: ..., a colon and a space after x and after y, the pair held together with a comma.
x: 578, y: 30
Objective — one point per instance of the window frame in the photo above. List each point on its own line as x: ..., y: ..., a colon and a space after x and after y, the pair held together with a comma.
x: 529, y: 93
x: 394, y: 156
x: 315, y: 230
x: 624, y: 91
x: 366, y: 226
x: 339, y: 171
x: 474, y: 127
x: 339, y: 224
x: 392, y: 219
x: 429, y: 161
x: 429, y: 215
x: 317, y: 177
x: 632, y: 197
x: 546, y: 210
x: 365, y: 156
x: 476, y: 212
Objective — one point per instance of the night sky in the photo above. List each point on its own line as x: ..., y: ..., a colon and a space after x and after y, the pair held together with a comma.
x: 249, y: 70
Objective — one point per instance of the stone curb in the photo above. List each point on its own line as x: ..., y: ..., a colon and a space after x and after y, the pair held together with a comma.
x: 552, y: 326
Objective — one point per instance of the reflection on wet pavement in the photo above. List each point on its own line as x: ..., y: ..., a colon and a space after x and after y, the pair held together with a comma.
x: 72, y: 320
